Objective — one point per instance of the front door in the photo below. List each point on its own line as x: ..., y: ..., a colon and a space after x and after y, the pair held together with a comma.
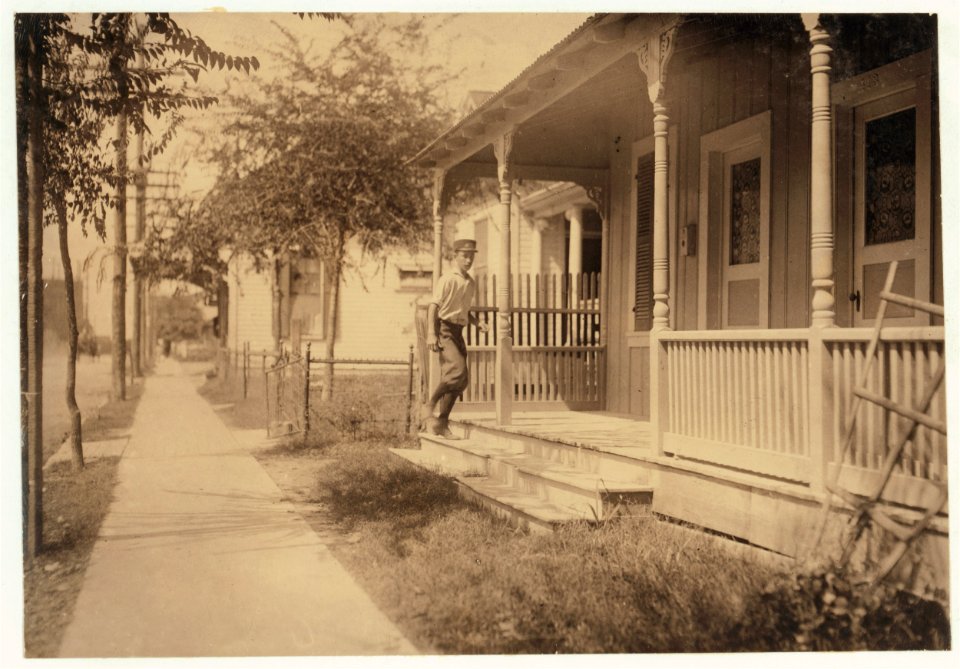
x: 734, y: 235
x: 741, y: 282
x: 885, y: 123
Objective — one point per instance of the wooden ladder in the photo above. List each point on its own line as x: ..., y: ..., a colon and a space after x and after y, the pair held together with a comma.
x: 867, y: 508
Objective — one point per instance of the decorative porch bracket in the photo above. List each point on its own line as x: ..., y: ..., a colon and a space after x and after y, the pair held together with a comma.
x: 821, y: 175
x: 654, y: 56
x: 502, y: 148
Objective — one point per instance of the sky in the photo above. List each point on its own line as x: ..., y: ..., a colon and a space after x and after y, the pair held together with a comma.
x: 484, y: 51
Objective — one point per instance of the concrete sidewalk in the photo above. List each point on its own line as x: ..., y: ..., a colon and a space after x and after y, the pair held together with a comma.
x: 199, y: 555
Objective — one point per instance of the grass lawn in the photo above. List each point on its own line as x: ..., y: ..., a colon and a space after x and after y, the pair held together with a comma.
x: 93, y: 390
x: 458, y: 581
x: 74, y: 506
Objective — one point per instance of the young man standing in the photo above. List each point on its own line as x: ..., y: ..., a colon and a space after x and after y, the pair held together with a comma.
x: 447, y: 315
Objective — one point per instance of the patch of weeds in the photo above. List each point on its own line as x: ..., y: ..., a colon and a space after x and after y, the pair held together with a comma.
x: 825, y: 609
x: 460, y: 581
x: 365, y: 406
x: 75, y: 504
x: 317, y: 444
x: 367, y: 483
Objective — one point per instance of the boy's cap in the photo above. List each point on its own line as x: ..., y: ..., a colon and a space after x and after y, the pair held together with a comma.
x: 469, y: 245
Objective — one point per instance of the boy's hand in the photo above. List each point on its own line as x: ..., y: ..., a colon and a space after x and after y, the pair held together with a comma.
x: 483, y: 327
x: 433, y: 343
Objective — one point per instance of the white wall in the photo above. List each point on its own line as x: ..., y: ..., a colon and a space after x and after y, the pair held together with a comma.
x: 376, y: 311
x: 250, y: 315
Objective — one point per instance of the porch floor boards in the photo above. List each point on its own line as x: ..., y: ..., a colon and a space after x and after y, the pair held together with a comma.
x: 606, y: 431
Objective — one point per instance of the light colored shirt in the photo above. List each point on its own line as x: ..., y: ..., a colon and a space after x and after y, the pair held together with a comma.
x: 453, y: 296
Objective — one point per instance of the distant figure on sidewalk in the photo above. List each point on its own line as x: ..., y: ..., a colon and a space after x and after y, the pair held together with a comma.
x: 448, y: 313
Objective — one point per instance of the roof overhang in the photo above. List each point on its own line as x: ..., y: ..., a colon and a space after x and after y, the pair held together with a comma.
x: 553, y: 199
x: 603, y: 40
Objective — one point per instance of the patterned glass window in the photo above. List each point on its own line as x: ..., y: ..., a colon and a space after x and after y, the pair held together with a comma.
x: 890, y: 178
x: 745, y: 212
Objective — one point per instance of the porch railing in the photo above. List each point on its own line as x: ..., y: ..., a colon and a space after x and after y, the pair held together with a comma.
x: 740, y: 399
x: 558, y: 358
x: 777, y: 402
x: 907, y: 358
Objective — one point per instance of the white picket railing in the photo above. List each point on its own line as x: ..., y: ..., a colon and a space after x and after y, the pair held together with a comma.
x: 557, y: 355
x: 906, y: 360
x: 739, y: 398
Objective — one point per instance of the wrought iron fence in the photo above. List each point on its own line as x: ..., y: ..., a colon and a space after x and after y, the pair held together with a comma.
x: 288, y: 393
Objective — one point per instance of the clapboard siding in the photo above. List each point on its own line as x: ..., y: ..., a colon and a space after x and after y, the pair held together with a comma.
x: 376, y: 312
x: 250, y: 306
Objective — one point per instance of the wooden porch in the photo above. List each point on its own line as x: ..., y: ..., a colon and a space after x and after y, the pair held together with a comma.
x: 601, y: 431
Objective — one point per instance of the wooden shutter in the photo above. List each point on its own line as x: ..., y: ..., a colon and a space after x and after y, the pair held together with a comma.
x: 643, y: 278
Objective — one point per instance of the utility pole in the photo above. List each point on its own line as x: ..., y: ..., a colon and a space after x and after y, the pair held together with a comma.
x: 136, y: 338
x: 119, y: 333
x: 137, y: 358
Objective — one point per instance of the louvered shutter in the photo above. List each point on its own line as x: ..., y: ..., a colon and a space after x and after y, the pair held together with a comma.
x: 643, y: 280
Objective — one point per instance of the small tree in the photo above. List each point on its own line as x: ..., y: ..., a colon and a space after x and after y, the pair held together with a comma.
x: 178, y: 318
x: 75, y: 180
x: 53, y: 91
x: 317, y: 159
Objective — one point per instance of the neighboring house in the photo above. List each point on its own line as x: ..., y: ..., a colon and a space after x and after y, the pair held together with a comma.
x: 288, y: 302
x: 753, y: 175
x: 556, y: 230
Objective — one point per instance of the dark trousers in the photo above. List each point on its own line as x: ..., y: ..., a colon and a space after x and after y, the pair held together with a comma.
x: 453, y: 368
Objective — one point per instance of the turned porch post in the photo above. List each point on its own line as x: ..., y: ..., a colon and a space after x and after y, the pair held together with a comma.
x: 575, y: 252
x: 821, y: 176
x: 821, y: 250
x: 536, y: 253
x: 439, y: 179
x: 439, y: 176
x: 654, y: 55
x: 504, y: 374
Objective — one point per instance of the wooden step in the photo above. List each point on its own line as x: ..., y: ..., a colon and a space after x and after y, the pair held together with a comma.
x: 611, y: 462
x: 524, y: 510
x: 585, y: 493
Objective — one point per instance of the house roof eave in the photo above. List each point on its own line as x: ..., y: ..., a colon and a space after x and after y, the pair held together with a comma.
x: 599, y: 41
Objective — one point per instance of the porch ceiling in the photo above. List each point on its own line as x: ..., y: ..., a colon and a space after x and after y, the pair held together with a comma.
x: 571, y: 138
x: 551, y: 104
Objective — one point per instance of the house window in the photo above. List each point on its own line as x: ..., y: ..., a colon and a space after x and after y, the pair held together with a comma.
x: 307, y: 284
x: 891, y: 173
x: 415, y: 280
x: 745, y: 212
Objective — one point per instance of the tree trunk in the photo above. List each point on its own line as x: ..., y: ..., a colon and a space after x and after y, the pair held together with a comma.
x: 118, y: 365
x: 223, y: 310
x: 76, y: 433
x: 33, y: 330
x: 136, y: 337
x: 23, y: 221
x: 336, y: 271
x: 276, y: 314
